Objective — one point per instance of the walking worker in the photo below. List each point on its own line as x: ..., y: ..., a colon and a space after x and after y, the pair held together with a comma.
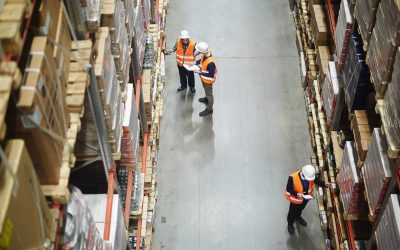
x: 185, y: 54
x: 299, y: 190
x: 208, y: 74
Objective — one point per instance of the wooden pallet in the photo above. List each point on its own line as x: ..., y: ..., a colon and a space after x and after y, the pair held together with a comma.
x: 5, y: 91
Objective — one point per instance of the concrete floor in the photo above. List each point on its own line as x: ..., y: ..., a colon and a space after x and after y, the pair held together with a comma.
x: 221, y: 179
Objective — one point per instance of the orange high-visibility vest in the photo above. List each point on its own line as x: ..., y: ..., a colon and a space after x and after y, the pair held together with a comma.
x: 187, y: 56
x: 203, y: 65
x: 298, y: 188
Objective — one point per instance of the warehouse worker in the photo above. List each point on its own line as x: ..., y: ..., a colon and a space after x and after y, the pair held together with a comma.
x: 208, y: 74
x: 185, y: 53
x: 299, y: 190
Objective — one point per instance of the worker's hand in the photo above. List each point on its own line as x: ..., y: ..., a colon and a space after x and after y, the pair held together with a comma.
x: 166, y: 52
x: 300, y: 195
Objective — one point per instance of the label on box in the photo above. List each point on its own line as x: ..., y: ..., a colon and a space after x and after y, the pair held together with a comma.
x: 5, y: 237
x: 32, y: 121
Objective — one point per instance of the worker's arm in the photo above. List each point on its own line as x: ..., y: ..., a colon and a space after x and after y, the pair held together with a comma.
x: 168, y: 52
x: 322, y: 183
x: 209, y: 72
x: 290, y: 186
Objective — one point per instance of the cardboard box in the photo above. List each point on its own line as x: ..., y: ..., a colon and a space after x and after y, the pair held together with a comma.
x: 12, y: 12
x: 48, y: 17
x: 25, y: 219
x: 10, y: 38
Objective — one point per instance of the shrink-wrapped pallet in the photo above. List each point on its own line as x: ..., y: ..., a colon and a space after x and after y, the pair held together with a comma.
x: 377, y: 171
x: 350, y: 184
x: 343, y: 32
x: 384, y: 42
x: 365, y: 12
x: 356, y: 75
x: 331, y: 96
x: 388, y: 230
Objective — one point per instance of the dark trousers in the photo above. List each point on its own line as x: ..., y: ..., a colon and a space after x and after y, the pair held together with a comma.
x: 186, y: 77
x: 295, y: 211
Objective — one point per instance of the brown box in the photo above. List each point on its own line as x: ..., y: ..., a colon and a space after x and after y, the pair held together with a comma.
x: 318, y: 25
x: 12, y: 12
x: 10, y: 38
x: 48, y: 17
x: 25, y: 219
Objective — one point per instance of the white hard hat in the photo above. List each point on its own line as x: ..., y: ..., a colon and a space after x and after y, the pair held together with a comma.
x: 184, y: 34
x: 202, y: 47
x: 309, y: 172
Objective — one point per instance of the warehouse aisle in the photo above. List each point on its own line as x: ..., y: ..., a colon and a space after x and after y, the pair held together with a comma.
x: 221, y: 179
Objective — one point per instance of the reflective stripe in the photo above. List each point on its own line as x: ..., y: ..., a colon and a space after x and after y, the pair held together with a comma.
x: 207, y: 78
x: 187, y: 56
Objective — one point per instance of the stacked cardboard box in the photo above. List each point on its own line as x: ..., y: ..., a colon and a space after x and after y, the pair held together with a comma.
x: 11, y: 18
x: 365, y: 13
x: 351, y: 186
x: 377, y: 171
x: 362, y: 124
x: 22, y: 202
x: 318, y: 25
x: 356, y: 75
x: 343, y: 33
x: 45, y: 117
x: 384, y: 43
x: 323, y: 58
x: 388, y: 230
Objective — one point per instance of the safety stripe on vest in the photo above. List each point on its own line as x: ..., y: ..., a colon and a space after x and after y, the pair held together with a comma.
x: 291, y: 197
x: 207, y: 78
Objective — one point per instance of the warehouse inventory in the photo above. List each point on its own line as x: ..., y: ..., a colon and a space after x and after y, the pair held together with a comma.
x: 357, y: 81
x: 72, y: 118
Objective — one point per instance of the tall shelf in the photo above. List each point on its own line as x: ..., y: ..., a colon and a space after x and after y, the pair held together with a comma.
x: 107, y: 143
x: 348, y: 52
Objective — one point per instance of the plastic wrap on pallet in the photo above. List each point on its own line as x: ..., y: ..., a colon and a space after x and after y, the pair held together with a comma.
x: 377, y: 170
x: 384, y: 42
x: 364, y: 12
x: 130, y: 19
x: 92, y: 11
x: 350, y: 185
x: 80, y: 231
x: 331, y: 95
x: 390, y: 112
x: 147, y: 10
x: 388, y: 230
x: 330, y: 91
x: 131, y: 116
x: 97, y: 204
x: 139, y: 39
x: 343, y: 32
x: 356, y: 75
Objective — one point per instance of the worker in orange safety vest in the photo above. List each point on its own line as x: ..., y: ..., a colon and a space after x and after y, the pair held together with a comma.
x: 208, y: 73
x: 185, y: 54
x: 299, y: 190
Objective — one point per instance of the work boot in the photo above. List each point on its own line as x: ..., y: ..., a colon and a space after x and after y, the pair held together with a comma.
x: 290, y: 229
x: 302, y: 221
x: 205, y: 112
x: 180, y: 89
x: 203, y: 100
x: 193, y: 90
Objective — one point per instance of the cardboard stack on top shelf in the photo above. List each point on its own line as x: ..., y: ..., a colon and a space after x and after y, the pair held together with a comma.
x: 388, y: 230
x: 343, y: 33
x: 332, y: 96
x: 362, y: 124
x: 45, y: 117
x: 11, y: 18
x: 365, y: 13
x: 356, y: 75
x: 22, y: 202
x: 389, y: 110
x: 377, y: 171
x: 323, y: 58
x: 318, y: 25
x: 351, y: 186
x: 384, y: 43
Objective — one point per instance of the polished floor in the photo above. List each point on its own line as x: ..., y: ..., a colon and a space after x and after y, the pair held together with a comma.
x: 221, y: 179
